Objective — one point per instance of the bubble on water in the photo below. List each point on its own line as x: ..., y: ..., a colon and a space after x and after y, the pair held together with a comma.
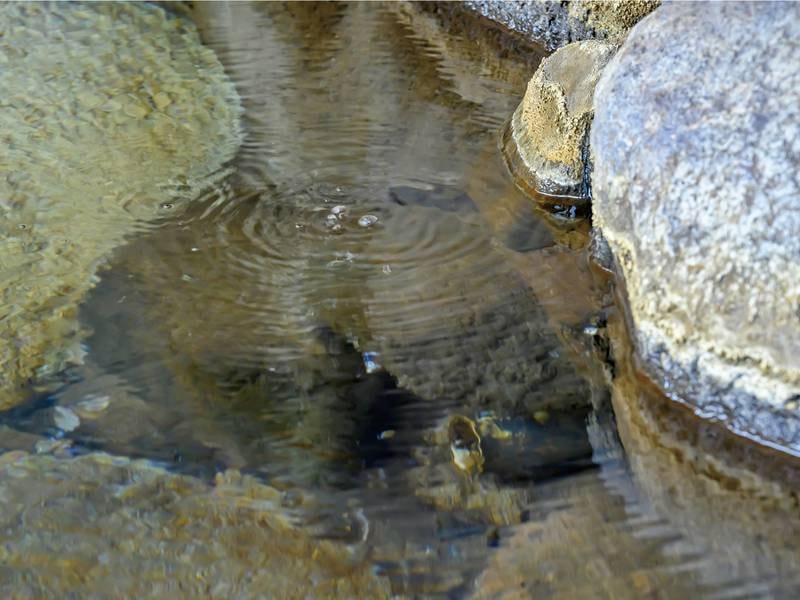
x: 371, y: 363
x: 386, y: 269
x: 336, y: 228
x: 331, y: 220
x: 186, y: 277
x: 338, y: 209
x: 195, y: 249
x: 368, y: 220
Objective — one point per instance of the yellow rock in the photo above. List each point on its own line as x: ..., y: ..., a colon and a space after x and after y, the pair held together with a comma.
x: 86, y: 165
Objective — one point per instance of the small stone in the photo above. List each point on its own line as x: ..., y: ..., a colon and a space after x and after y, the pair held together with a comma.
x: 162, y: 100
x: 111, y: 106
x: 92, y: 407
x: 66, y: 419
x: 465, y: 444
x: 135, y: 110
x: 368, y: 220
x: 51, y: 446
x: 550, y: 126
x: 89, y: 101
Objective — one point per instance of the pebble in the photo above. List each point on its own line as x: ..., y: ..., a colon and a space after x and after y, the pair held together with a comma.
x: 368, y: 220
x: 66, y: 419
x: 91, y: 407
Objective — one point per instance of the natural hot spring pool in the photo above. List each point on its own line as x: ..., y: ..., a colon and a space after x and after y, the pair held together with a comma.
x: 359, y: 362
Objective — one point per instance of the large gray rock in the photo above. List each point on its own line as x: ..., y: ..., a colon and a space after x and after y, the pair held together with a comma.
x: 696, y: 149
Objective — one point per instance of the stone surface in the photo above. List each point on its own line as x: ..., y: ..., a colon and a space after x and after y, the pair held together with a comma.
x: 550, y: 126
x: 554, y: 24
x: 695, y: 150
x: 105, y: 526
x: 112, y: 115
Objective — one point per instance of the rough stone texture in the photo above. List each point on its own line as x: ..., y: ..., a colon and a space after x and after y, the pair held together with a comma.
x: 696, y: 147
x: 610, y: 19
x: 554, y: 24
x: 111, y: 115
x: 105, y: 526
x: 549, y: 128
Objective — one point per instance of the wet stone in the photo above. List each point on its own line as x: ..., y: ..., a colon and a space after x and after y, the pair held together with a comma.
x: 75, y: 119
x: 232, y: 537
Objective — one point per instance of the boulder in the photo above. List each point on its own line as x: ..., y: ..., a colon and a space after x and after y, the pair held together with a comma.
x: 113, y: 116
x: 546, y: 141
x: 696, y: 148
x: 554, y: 24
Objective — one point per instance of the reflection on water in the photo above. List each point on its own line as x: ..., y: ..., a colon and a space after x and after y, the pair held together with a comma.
x: 364, y: 342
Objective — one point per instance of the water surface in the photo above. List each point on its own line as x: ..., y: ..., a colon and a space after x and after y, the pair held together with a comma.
x: 365, y: 274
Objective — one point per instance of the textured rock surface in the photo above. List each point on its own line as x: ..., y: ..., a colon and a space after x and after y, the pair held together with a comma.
x: 112, y: 115
x: 105, y: 526
x: 554, y: 24
x: 696, y: 190
x: 550, y: 126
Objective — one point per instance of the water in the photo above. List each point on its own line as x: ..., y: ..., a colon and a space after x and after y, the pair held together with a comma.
x: 363, y: 348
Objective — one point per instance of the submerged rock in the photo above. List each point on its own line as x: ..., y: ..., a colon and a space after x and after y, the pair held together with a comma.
x: 554, y: 24
x: 549, y: 129
x: 112, y: 115
x: 696, y: 191
x: 107, y: 525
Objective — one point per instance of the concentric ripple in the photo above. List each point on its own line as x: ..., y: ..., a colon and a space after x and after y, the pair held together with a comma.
x: 288, y: 346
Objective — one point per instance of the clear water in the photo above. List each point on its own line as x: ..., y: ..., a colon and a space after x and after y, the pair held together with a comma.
x: 367, y: 272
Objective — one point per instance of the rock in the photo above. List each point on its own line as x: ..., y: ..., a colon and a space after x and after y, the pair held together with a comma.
x: 548, y: 131
x: 610, y: 19
x: 111, y: 115
x: 108, y: 526
x: 555, y: 24
x: 696, y: 153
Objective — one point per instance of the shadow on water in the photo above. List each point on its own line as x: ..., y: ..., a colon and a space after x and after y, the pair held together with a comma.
x: 367, y: 274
